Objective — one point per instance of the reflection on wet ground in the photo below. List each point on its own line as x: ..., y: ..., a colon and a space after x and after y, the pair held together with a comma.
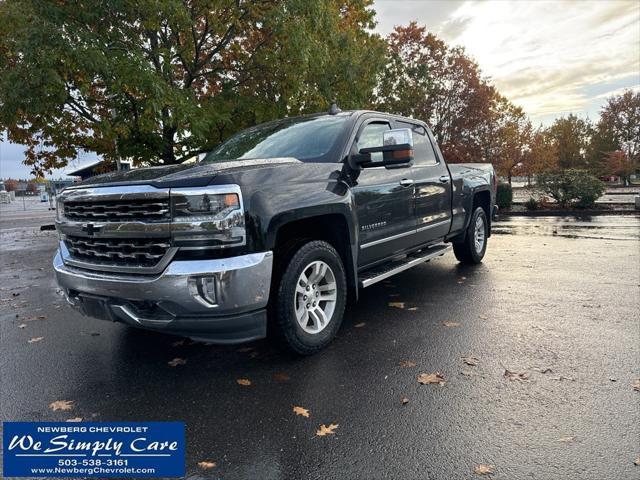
x: 618, y: 227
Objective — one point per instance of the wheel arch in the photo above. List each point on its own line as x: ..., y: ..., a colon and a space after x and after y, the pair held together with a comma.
x: 288, y: 230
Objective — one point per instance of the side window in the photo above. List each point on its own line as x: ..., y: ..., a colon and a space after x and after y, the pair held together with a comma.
x: 422, y: 148
x: 371, y: 136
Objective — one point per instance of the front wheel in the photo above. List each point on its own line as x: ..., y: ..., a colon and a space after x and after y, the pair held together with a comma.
x: 311, y: 298
x: 474, y: 246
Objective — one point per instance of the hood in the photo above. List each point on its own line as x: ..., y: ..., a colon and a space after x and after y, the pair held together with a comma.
x: 191, y: 175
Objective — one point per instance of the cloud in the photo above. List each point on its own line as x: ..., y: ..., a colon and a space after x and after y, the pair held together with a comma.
x: 546, y: 55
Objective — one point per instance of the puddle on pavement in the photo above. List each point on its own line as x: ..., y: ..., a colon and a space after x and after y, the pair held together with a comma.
x: 618, y: 227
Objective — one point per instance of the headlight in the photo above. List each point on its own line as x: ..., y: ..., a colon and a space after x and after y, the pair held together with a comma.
x: 207, y: 217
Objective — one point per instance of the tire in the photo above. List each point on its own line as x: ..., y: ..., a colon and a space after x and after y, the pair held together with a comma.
x: 310, y: 333
x: 468, y: 251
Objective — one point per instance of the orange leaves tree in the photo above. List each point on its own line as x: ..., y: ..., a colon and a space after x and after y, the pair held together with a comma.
x: 427, y: 79
x: 159, y: 81
x: 615, y: 145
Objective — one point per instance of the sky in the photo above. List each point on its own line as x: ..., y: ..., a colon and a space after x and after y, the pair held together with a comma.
x: 550, y: 57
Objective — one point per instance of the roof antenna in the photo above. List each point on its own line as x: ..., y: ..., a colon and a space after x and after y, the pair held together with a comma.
x: 334, y: 108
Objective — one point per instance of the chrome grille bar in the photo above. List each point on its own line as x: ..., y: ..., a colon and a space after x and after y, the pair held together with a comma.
x: 148, y: 210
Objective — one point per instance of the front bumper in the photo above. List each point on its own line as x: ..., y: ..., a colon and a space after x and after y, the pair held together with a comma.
x: 232, y: 310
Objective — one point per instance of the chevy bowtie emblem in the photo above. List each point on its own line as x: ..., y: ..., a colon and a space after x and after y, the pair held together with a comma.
x: 91, y: 229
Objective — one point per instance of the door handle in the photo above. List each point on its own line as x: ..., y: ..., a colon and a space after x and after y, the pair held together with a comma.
x: 406, y: 182
x: 444, y: 179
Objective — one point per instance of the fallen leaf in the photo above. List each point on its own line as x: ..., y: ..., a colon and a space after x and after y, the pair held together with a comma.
x: 431, y: 378
x: 484, y: 469
x: 61, y: 405
x: 407, y: 363
x: 207, y: 465
x: 75, y: 419
x: 22, y: 325
x: 176, y: 361
x: 451, y: 324
x: 522, y: 376
x: 35, y: 339
x: 471, y: 361
x: 637, y: 461
x: 636, y: 386
x: 396, y: 304
x: 324, y: 430
x: 483, y: 317
x: 359, y: 325
x: 612, y: 379
x: 301, y: 411
x: 567, y: 439
x: 404, y: 400
x: 281, y: 377
x: 244, y: 382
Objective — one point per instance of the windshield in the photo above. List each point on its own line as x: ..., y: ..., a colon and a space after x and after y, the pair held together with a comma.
x: 303, y: 138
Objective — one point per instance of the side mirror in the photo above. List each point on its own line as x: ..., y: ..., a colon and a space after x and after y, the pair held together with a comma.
x: 397, y: 150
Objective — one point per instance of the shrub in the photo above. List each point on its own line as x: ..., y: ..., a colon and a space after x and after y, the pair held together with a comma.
x: 572, y: 187
x: 532, y: 204
x: 504, y: 196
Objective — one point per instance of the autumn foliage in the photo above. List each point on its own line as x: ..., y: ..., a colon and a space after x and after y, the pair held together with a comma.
x: 158, y: 82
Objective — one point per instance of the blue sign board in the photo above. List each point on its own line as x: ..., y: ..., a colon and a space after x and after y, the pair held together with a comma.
x: 91, y: 449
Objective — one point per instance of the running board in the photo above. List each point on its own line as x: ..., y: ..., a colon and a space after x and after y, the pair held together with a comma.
x: 378, y: 274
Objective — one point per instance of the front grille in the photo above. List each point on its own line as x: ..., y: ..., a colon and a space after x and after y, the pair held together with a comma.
x: 142, y: 252
x: 147, y: 210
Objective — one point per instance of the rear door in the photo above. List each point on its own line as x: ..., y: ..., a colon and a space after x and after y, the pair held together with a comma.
x: 432, y: 187
x: 384, y: 200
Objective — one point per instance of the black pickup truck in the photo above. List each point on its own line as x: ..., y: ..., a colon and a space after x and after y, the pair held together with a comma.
x: 271, y: 231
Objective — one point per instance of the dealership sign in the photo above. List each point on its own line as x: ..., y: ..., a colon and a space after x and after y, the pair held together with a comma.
x: 90, y: 449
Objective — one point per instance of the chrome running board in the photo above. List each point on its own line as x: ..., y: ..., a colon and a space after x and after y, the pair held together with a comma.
x: 378, y: 274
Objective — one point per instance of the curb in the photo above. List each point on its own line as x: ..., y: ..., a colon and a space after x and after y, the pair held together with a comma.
x: 566, y: 213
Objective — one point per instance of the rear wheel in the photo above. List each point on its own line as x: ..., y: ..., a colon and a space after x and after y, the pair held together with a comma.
x: 311, y: 297
x: 474, y: 246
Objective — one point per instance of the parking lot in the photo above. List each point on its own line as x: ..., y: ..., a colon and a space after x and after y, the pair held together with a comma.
x: 538, y: 349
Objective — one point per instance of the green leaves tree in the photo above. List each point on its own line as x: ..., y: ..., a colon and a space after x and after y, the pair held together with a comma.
x: 162, y: 81
x: 571, y: 137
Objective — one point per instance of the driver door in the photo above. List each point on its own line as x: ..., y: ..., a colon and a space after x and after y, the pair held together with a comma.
x: 384, y: 201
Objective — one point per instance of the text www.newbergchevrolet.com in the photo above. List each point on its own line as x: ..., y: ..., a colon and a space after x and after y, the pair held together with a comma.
x: 92, y: 471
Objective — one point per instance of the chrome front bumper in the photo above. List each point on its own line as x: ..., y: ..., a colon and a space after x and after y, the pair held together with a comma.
x: 220, y: 300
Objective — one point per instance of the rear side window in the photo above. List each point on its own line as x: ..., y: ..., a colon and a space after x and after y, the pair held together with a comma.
x: 422, y: 148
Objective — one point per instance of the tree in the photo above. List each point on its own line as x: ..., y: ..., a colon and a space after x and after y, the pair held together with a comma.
x: 542, y: 155
x: 159, y: 81
x: 11, y: 185
x: 512, y: 138
x: 620, y: 164
x: 617, y: 133
x: 571, y: 137
x: 426, y: 79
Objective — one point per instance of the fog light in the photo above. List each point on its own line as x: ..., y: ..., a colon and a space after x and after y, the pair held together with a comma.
x: 203, y: 289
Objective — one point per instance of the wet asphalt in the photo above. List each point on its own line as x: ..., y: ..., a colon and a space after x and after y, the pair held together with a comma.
x: 556, y: 300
